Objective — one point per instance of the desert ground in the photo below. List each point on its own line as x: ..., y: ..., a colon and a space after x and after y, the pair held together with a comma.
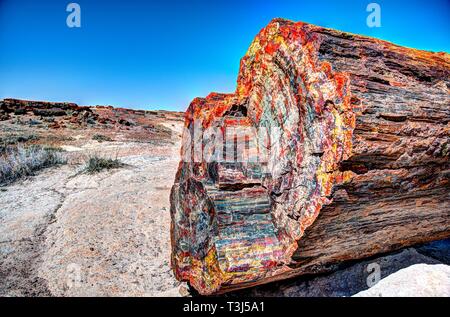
x: 68, y: 233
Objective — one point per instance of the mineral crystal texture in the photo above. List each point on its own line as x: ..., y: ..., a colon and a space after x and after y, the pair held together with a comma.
x: 259, y: 165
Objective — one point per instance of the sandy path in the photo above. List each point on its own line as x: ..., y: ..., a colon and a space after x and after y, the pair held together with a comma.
x: 69, y: 234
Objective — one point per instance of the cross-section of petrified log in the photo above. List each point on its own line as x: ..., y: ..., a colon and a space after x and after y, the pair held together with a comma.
x: 334, y: 147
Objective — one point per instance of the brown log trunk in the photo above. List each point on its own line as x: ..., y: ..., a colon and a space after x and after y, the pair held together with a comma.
x: 400, y: 195
x: 388, y: 189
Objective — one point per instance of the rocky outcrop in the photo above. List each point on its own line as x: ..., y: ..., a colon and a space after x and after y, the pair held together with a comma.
x: 44, y: 109
x: 334, y: 147
x: 67, y: 114
x: 22, y: 106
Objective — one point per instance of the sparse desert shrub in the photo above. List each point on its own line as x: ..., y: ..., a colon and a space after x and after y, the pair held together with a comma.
x: 14, y: 138
x: 4, y: 116
x: 127, y: 123
x: 101, y: 138
x: 95, y: 164
x: 20, y: 111
x: 19, y: 161
x: 33, y: 122
x: 58, y: 138
x: 48, y: 119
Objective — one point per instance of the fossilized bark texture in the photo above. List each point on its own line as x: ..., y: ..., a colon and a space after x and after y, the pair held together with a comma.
x: 362, y: 139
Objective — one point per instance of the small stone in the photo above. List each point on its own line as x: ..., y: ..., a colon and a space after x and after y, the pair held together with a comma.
x: 184, y: 290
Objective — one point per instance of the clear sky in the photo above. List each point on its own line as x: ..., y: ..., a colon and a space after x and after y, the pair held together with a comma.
x: 162, y: 54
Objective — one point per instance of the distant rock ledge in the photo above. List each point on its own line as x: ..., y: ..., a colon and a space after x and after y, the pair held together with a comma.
x: 63, y: 114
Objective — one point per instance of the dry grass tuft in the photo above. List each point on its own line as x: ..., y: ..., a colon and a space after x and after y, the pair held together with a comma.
x: 20, y: 161
x: 95, y: 164
x: 101, y: 138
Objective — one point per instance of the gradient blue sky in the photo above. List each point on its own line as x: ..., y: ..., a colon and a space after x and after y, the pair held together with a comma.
x: 162, y: 54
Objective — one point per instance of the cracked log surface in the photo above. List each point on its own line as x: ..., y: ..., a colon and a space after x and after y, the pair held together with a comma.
x: 360, y: 164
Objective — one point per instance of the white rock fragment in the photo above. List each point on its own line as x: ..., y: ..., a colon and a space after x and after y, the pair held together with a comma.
x: 420, y: 280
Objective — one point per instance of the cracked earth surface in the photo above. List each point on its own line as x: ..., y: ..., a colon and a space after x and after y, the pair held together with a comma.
x: 65, y: 233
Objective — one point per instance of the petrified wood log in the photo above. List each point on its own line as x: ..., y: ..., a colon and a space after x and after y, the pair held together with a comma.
x: 334, y: 147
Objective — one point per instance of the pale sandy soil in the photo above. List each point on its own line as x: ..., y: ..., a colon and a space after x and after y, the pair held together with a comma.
x: 65, y: 233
